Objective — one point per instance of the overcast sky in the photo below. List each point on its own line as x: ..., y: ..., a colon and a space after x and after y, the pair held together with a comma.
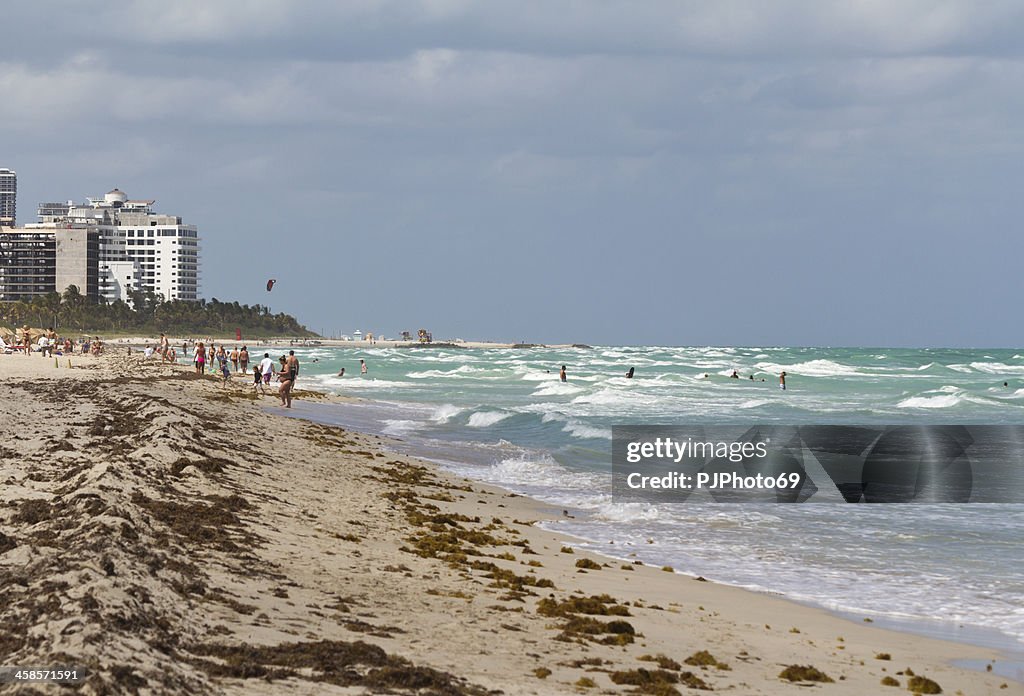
x: 747, y: 173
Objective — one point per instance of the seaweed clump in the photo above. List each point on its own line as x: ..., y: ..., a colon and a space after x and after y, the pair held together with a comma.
x: 923, y: 685
x: 658, y: 682
x: 703, y: 658
x: 611, y: 633
x: 890, y: 681
x: 595, y: 605
x: 663, y: 661
x: 587, y: 564
x: 804, y: 673
x: 335, y: 662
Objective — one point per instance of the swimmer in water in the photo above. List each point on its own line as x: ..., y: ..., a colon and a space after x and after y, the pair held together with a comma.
x: 782, y: 381
x: 629, y: 375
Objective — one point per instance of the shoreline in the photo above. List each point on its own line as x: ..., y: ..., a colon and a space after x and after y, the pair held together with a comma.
x: 339, y: 542
x: 137, y: 341
x: 972, y: 635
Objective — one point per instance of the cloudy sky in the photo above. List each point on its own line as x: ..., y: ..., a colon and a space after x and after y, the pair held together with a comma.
x: 752, y: 173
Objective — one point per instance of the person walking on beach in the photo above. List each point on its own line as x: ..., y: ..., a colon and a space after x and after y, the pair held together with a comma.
x: 164, y: 348
x: 199, y: 358
x: 234, y: 359
x: 782, y: 380
x: 285, y: 390
x: 561, y: 374
x: 266, y: 368
x: 243, y: 359
x: 362, y: 366
x: 212, y: 355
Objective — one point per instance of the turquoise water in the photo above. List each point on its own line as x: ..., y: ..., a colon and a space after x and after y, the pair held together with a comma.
x: 502, y: 416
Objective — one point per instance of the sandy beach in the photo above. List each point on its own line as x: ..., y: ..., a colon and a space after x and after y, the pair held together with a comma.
x: 175, y: 536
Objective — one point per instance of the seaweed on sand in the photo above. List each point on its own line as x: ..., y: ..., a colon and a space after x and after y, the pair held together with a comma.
x: 336, y: 662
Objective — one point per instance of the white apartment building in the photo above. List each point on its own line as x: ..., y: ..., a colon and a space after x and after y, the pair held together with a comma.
x: 139, y: 249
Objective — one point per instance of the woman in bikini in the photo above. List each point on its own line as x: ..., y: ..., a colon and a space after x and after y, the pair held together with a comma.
x: 286, y: 378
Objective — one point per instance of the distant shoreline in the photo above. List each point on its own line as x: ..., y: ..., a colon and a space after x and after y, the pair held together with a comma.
x: 136, y: 340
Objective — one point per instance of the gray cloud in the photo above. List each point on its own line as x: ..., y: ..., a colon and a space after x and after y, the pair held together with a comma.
x: 668, y: 172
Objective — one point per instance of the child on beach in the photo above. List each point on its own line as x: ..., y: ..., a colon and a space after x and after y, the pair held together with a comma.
x: 257, y: 380
x: 225, y: 371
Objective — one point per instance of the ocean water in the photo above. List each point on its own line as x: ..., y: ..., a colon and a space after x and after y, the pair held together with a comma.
x: 503, y: 417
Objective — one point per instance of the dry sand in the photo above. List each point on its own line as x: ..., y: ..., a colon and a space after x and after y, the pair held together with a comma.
x: 176, y: 537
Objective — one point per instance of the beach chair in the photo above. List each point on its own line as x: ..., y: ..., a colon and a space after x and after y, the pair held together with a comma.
x: 4, y: 348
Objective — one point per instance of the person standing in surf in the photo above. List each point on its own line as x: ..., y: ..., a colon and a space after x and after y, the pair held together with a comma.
x: 362, y: 366
x: 561, y: 374
x: 243, y: 359
x: 782, y: 380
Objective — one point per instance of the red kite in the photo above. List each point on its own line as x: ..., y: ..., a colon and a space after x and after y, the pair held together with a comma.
x: 270, y: 284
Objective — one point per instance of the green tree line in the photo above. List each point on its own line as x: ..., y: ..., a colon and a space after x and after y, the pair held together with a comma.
x: 71, y: 311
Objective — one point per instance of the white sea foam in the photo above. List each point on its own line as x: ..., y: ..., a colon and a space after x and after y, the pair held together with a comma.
x: 812, y: 368
x: 557, y: 389
x: 485, y: 419
x: 399, y: 427
x: 997, y: 368
x: 461, y: 370
x: 937, y: 401
x: 584, y: 432
x: 445, y: 412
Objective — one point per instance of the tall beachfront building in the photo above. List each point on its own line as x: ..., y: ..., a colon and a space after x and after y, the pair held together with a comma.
x: 8, y: 198
x: 139, y: 249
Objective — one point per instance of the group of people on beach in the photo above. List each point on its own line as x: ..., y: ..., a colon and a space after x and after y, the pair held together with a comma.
x: 226, y: 363
x: 49, y: 344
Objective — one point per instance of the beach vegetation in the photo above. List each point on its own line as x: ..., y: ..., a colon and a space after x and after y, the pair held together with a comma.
x: 804, y: 673
x: 148, y: 312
